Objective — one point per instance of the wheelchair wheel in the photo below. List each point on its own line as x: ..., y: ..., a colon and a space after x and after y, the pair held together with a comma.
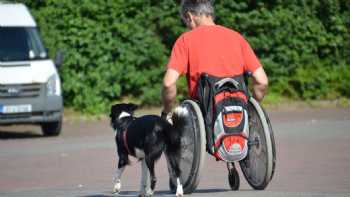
x: 259, y: 165
x: 192, y: 150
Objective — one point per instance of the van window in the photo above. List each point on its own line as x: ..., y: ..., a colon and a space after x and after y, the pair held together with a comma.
x: 21, y: 44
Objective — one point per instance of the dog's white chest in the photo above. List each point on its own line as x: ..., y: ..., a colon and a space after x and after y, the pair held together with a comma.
x: 124, y: 114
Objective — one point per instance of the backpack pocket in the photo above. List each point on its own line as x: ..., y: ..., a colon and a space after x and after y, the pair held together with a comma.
x: 230, y: 126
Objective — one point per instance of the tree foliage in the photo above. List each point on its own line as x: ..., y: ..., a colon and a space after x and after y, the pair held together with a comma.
x: 117, y: 49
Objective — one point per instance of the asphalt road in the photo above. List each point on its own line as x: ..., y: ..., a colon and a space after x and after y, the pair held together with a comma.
x: 313, y: 159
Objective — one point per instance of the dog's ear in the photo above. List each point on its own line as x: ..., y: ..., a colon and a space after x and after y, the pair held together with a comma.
x: 115, y: 109
x: 132, y: 107
x: 123, y: 107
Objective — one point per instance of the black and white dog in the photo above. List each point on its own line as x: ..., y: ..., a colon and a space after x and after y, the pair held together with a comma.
x: 146, y: 138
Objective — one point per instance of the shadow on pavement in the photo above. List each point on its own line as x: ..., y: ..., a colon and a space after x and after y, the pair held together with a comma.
x: 206, y: 191
x: 111, y: 195
x: 121, y: 194
x: 7, y: 135
x: 127, y: 194
x: 157, y: 193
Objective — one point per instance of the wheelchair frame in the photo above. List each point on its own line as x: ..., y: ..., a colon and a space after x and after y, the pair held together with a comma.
x: 192, y: 168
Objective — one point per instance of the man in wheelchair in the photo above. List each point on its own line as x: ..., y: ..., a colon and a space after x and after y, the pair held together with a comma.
x: 209, y: 48
x: 214, y: 59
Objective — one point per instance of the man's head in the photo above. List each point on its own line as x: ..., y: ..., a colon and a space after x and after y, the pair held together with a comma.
x: 197, y: 12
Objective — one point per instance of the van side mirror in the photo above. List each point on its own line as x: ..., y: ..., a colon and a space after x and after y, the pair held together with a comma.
x: 59, y: 59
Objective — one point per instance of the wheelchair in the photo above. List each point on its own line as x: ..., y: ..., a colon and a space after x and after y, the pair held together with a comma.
x: 258, y: 166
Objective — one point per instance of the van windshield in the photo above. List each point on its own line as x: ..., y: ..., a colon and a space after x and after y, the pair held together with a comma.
x: 21, y: 44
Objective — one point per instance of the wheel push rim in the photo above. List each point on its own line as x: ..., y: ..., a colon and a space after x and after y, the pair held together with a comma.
x: 258, y: 166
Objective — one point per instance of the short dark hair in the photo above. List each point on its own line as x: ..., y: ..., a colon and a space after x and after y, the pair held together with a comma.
x: 197, y: 7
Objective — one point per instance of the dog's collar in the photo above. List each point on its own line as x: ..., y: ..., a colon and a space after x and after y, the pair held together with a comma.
x: 123, y: 115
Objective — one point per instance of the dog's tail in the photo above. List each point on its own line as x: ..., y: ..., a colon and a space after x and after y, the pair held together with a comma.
x: 179, y: 119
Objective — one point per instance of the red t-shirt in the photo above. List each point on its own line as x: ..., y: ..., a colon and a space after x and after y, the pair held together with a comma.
x: 215, y: 50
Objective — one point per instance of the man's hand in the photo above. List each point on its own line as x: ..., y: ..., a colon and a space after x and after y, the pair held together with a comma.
x: 163, y: 115
x: 167, y: 117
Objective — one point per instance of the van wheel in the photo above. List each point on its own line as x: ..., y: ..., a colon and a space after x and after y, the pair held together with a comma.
x: 51, y: 128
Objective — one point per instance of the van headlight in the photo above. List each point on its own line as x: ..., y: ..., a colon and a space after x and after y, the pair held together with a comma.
x: 53, y: 86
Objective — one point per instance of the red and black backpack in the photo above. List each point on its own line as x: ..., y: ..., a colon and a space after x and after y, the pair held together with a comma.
x: 223, y: 102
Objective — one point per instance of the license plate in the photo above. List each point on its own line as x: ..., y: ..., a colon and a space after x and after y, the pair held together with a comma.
x: 11, y: 109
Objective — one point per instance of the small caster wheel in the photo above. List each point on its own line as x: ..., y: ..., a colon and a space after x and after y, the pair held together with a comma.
x: 233, y: 179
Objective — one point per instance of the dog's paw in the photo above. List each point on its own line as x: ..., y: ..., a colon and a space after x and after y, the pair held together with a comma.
x: 148, y: 194
x: 144, y: 195
x: 179, y: 191
x: 117, y: 187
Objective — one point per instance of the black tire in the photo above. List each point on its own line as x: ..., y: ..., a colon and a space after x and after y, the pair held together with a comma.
x: 51, y: 128
x: 233, y: 179
x: 193, y: 151
x: 259, y: 165
x: 272, y: 143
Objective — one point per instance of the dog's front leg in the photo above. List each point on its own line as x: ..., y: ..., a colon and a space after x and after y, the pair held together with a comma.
x: 123, y: 161
x: 117, y: 182
x: 145, y: 189
x: 179, y: 188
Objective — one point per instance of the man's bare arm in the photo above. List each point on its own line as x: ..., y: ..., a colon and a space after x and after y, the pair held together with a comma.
x: 169, y: 89
x: 260, y: 84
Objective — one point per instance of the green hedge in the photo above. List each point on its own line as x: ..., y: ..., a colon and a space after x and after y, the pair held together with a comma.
x: 117, y: 49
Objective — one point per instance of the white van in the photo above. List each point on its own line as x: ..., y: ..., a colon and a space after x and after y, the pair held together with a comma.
x: 30, y: 87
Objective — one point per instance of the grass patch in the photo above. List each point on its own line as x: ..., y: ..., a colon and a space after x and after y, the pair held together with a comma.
x: 72, y: 115
x: 276, y: 102
x: 270, y: 102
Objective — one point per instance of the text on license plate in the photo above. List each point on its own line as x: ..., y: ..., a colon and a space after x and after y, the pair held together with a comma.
x: 11, y: 109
